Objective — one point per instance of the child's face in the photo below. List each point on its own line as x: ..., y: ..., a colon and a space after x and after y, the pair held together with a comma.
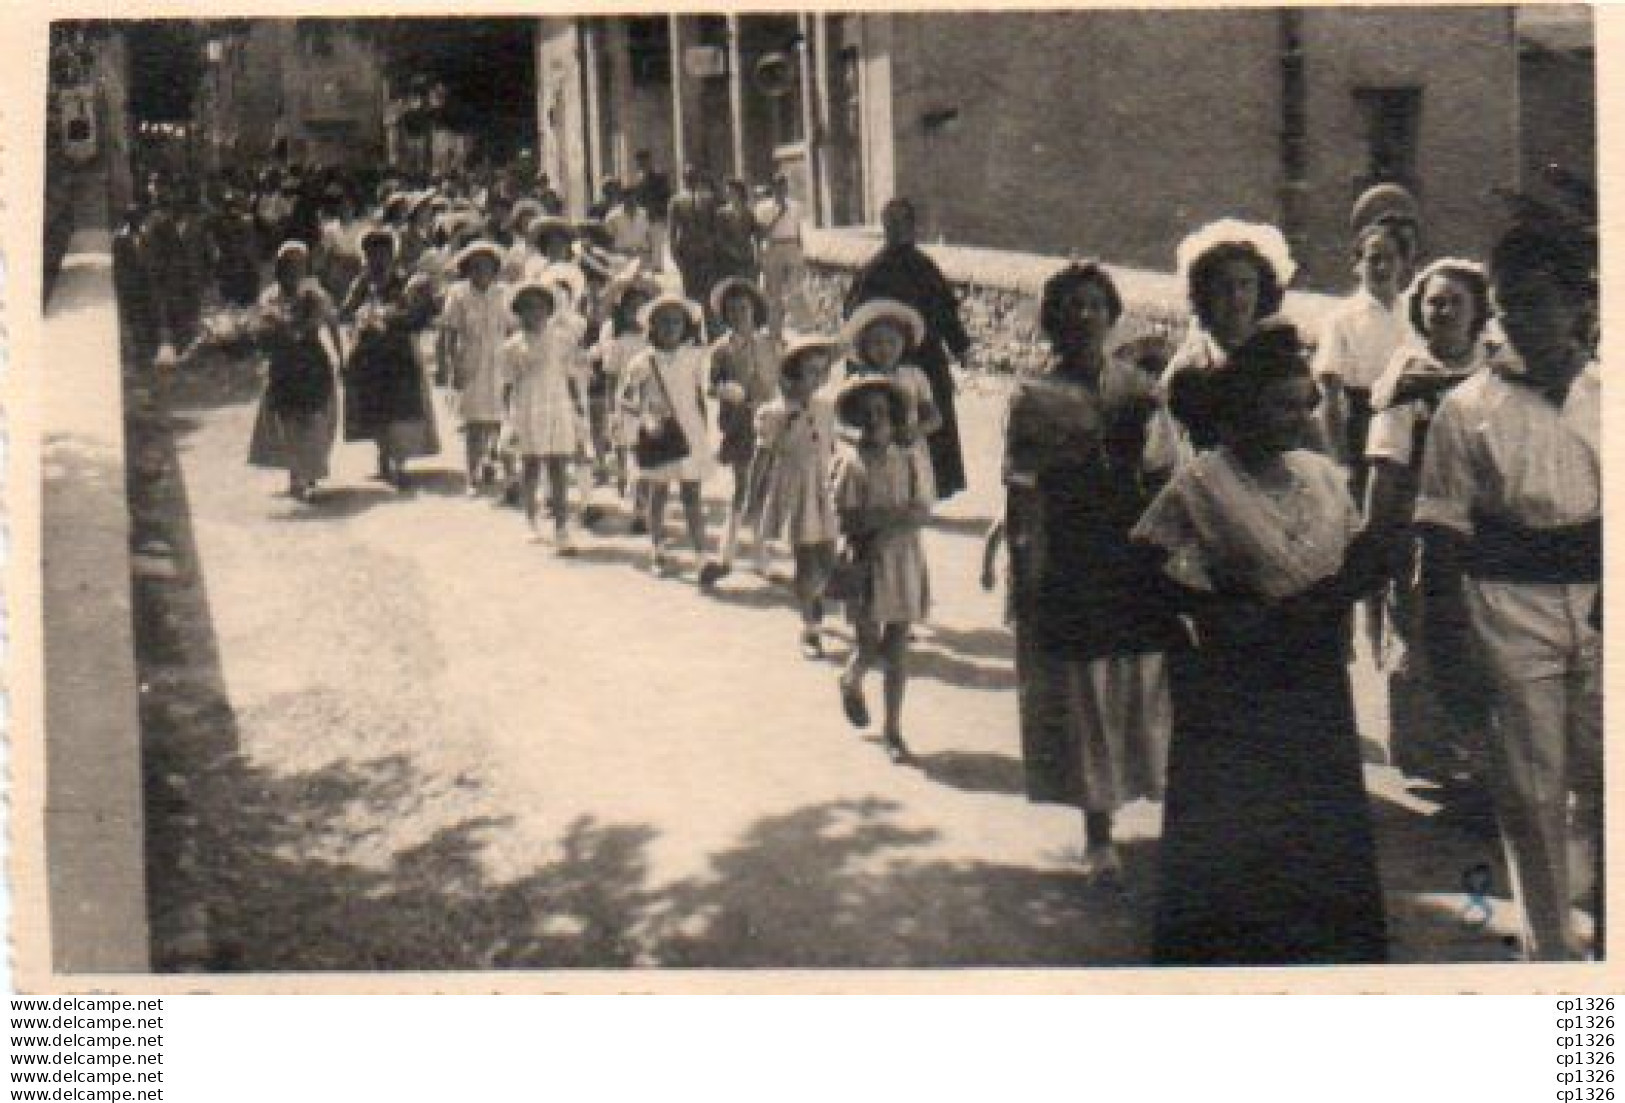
x: 882, y: 344
x: 534, y: 311
x: 804, y: 376
x: 739, y: 312
x: 874, y: 419
x: 667, y: 327
x: 482, y: 271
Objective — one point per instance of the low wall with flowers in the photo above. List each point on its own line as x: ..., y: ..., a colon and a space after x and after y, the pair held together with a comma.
x: 999, y: 293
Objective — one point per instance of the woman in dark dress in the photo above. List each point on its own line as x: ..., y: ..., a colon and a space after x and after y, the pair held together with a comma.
x: 901, y: 271
x: 1268, y: 853
x: 297, y: 329
x: 386, y: 395
x: 1090, y: 627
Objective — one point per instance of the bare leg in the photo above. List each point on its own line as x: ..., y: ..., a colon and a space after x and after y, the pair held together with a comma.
x: 657, y: 494
x: 694, y: 513
x: 558, y: 491
x: 894, y: 659
x: 531, y: 476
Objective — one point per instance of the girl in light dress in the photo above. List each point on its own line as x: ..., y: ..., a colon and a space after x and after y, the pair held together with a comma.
x: 619, y: 340
x: 664, y: 383
x: 884, y: 491
x: 790, y: 477
x: 880, y: 334
x: 547, y: 405
x: 743, y: 376
x: 474, y: 323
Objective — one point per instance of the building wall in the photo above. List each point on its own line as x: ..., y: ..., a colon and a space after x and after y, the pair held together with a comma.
x: 1108, y: 132
x: 1558, y: 107
x: 1116, y: 132
x: 1464, y: 60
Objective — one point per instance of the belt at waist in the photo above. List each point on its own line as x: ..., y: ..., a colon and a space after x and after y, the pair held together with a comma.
x: 1506, y: 551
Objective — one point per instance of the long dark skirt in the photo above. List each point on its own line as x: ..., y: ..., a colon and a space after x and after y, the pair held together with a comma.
x: 1268, y: 853
x: 387, y: 397
x: 947, y: 456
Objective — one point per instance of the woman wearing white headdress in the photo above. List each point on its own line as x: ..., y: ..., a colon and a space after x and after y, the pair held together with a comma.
x: 1235, y: 274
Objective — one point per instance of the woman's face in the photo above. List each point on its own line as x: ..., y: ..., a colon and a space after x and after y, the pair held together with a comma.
x: 882, y: 344
x: 739, y: 311
x: 1235, y: 296
x: 1281, y: 417
x: 1085, y: 318
x: 667, y: 327
x: 1380, y: 265
x: 1447, y: 314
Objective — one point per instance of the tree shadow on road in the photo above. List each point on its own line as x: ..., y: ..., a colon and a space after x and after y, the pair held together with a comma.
x: 833, y: 886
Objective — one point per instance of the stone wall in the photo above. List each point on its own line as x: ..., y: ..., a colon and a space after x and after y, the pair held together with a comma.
x: 999, y: 292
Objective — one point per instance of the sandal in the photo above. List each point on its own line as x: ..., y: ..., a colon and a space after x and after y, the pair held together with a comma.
x: 897, y: 750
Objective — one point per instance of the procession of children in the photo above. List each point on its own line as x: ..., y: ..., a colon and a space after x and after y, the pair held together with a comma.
x: 1187, y: 546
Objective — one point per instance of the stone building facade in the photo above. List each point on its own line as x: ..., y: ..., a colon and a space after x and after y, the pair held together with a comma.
x: 1108, y: 132
x: 306, y: 91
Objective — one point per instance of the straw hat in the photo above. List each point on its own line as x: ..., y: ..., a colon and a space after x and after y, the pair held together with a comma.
x: 736, y: 285
x: 1266, y: 240
x: 476, y: 249
x: 533, y: 287
x: 625, y: 284
x: 522, y: 208
x: 884, y: 310
x: 857, y: 387
x: 549, y: 225
x: 667, y: 299
x: 807, y: 345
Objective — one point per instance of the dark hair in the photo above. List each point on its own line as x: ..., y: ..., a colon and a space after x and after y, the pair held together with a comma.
x: 1205, y: 271
x: 1061, y: 286
x: 1273, y: 354
x: 1478, y: 287
x: 1547, y: 246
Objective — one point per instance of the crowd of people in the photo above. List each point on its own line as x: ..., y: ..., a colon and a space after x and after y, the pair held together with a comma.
x: 1189, y: 536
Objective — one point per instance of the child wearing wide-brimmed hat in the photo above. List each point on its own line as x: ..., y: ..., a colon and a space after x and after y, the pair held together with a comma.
x: 664, y: 391
x: 547, y: 406
x: 883, y: 491
x: 474, y: 322
x: 790, y: 491
x: 880, y: 334
x: 743, y: 376
x: 620, y: 338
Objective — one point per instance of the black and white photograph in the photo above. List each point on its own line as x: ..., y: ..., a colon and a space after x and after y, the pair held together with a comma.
x: 1052, y: 491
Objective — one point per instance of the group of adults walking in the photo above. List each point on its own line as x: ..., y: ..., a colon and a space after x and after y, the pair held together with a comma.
x: 1188, y: 548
